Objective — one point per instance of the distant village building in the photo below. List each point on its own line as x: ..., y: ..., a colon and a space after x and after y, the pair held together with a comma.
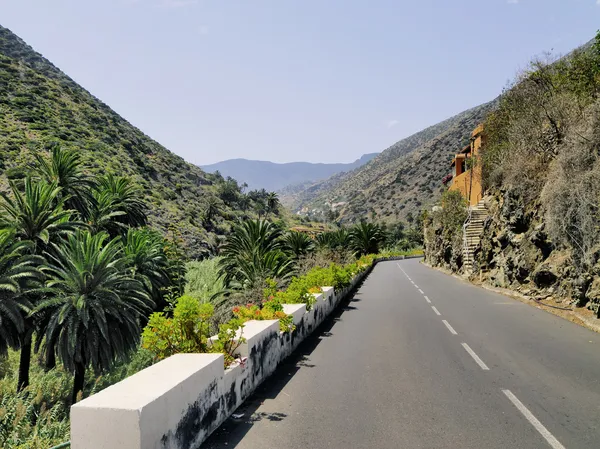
x: 466, y: 169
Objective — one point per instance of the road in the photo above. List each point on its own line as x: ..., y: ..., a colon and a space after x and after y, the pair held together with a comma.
x: 420, y: 359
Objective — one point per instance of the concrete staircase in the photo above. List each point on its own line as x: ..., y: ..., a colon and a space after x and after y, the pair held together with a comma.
x: 472, y: 230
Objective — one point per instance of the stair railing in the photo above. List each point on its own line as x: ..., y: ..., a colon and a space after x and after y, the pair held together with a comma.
x: 465, y: 237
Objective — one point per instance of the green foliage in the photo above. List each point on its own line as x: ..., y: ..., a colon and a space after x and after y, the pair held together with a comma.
x: 117, y: 206
x: 204, y: 281
x: 338, y: 240
x: 272, y: 203
x: 186, y: 332
x: 95, y: 305
x: 298, y: 244
x: 454, y: 212
x: 270, y: 310
x: 18, y: 272
x: 65, y: 170
x: 229, y: 339
x: 145, y: 252
x: 253, y: 253
x: 38, y: 416
x: 37, y: 214
x: 366, y: 238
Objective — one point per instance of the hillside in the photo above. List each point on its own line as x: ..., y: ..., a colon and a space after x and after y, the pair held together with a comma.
x: 274, y: 177
x: 39, y: 104
x: 399, y: 182
x: 541, y: 174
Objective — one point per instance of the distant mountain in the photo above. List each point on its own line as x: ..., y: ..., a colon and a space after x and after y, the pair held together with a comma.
x: 402, y: 180
x: 274, y: 177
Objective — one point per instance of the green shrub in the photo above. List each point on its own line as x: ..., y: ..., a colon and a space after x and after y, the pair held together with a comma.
x: 186, y: 332
x: 203, y: 280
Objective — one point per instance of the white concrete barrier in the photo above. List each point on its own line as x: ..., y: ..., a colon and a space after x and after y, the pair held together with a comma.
x: 148, y: 409
x: 178, y: 402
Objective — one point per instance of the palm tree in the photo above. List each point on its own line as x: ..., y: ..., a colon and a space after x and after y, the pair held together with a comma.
x: 18, y: 272
x: 298, y: 244
x: 333, y: 240
x: 340, y: 239
x: 253, y: 253
x: 95, y: 305
x: 260, y: 207
x: 148, y: 262
x: 365, y: 238
x: 118, y: 204
x: 36, y: 216
x: 272, y: 203
x: 212, y: 209
x: 64, y: 169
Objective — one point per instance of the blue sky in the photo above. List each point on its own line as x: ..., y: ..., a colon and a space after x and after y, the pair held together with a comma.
x: 288, y: 80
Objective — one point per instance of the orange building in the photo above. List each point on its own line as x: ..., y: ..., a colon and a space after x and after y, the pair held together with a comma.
x: 466, y: 169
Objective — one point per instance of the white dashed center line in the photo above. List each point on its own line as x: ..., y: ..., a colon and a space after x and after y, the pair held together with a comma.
x: 437, y: 312
x: 533, y: 420
x: 421, y: 291
x: 427, y: 299
x: 450, y: 328
x: 482, y: 365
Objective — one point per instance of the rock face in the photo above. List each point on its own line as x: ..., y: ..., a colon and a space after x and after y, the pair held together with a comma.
x: 516, y: 253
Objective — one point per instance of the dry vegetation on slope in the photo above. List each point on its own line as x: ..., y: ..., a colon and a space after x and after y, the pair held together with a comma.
x: 402, y: 180
x: 541, y: 168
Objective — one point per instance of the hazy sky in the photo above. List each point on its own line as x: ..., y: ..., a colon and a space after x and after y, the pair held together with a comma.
x: 287, y: 80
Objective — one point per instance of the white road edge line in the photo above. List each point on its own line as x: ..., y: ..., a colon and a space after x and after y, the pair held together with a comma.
x: 427, y: 299
x: 450, y: 328
x: 437, y: 312
x: 533, y: 420
x: 421, y: 291
x: 482, y: 365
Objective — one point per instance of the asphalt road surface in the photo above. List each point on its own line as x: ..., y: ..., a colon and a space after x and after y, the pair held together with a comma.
x: 420, y: 359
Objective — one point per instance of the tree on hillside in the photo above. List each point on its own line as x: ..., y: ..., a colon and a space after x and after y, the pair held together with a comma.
x: 36, y: 216
x: 366, y: 238
x: 144, y: 250
x: 64, y: 169
x: 18, y: 273
x: 96, y: 305
x: 229, y: 191
x: 212, y: 208
x: 272, y: 202
x: 298, y: 244
x: 253, y: 253
x: 338, y: 240
x: 118, y: 205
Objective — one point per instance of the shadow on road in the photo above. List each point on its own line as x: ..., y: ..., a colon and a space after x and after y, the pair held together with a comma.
x: 232, y: 431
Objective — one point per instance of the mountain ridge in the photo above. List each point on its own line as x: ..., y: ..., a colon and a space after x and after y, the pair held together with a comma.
x: 40, y: 104
x: 398, y: 183
x: 276, y: 176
